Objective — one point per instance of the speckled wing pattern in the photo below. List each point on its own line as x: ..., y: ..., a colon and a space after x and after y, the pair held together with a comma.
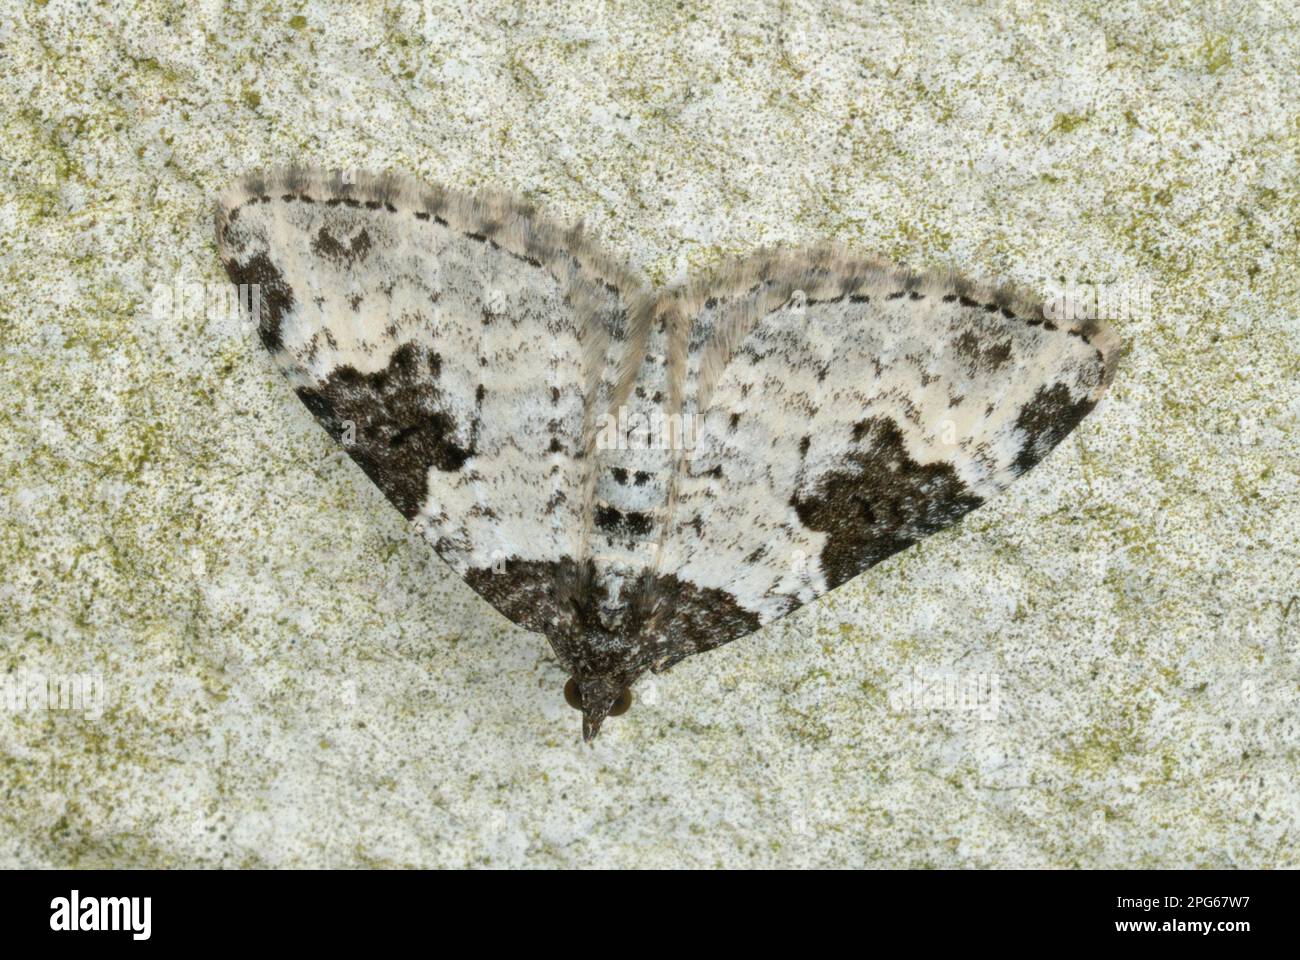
x: 643, y: 475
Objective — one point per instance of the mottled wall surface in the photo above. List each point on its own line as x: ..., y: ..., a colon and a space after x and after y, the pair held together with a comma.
x: 1099, y: 669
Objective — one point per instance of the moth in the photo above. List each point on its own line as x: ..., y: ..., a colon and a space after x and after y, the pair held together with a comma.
x: 642, y: 475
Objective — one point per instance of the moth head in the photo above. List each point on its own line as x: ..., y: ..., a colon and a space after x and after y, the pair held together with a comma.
x: 598, y: 696
x: 603, y: 652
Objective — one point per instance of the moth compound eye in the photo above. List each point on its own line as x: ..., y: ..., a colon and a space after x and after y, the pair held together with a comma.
x: 571, y: 695
x: 622, y: 704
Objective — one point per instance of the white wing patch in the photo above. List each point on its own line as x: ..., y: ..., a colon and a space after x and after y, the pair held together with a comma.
x: 642, y: 476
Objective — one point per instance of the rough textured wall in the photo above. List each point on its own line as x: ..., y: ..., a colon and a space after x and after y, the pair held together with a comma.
x: 290, y: 677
